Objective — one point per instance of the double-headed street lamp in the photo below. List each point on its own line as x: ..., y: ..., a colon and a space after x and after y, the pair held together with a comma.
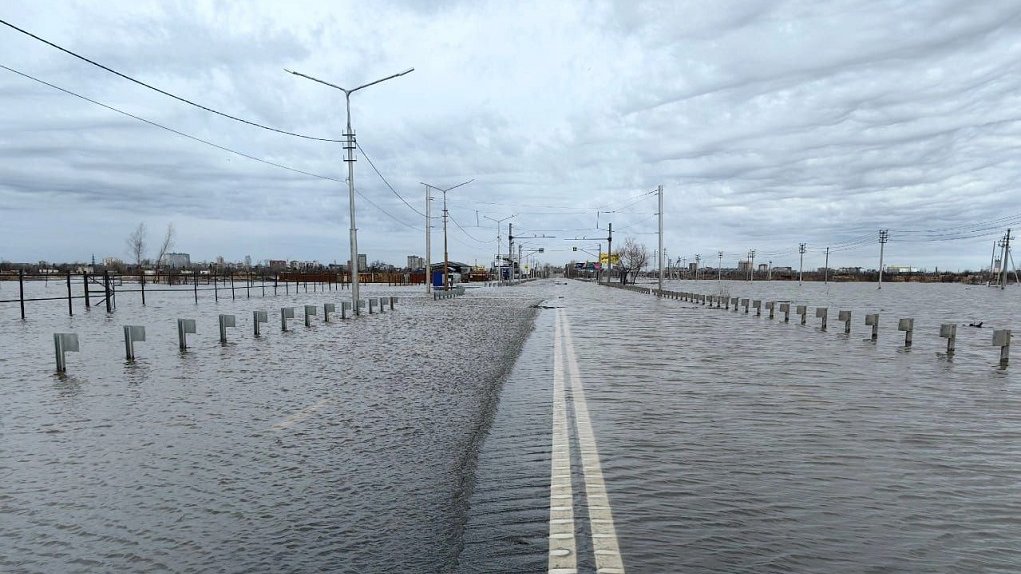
x: 510, y: 256
x: 446, y: 255
x: 349, y: 145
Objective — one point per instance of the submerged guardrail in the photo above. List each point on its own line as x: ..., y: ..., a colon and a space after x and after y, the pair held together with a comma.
x: 69, y: 342
x: 1001, y: 337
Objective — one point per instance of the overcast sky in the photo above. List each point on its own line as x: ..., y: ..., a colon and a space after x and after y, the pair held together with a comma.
x: 768, y: 124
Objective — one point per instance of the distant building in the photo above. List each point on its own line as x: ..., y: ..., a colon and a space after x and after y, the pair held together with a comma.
x: 763, y: 267
x: 363, y: 262
x: 416, y: 262
x: 744, y: 266
x: 177, y: 260
x: 277, y: 264
x: 248, y: 260
x: 901, y: 269
x: 112, y: 262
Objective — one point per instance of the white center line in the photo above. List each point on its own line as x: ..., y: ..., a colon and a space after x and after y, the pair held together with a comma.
x: 562, y: 551
x: 604, y: 534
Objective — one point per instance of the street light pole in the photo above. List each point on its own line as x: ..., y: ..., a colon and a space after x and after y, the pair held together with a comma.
x: 498, y: 236
x: 659, y: 192
x: 446, y: 255
x: 428, y: 246
x: 349, y: 145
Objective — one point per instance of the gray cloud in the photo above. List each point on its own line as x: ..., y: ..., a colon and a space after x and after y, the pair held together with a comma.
x: 769, y: 124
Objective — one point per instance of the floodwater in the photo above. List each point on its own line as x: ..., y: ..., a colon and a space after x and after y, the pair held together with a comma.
x: 345, y: 447
x: 731, y: 443
x: 420, y: 440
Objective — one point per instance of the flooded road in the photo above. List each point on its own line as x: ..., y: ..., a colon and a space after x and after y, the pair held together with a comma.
x: 345, y: 447
x: 435, y: 438
x: 731, y: 443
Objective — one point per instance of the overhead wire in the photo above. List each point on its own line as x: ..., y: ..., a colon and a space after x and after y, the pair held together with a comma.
x: 390, y: 187
x: 161, y: 91
x: 205, y: 142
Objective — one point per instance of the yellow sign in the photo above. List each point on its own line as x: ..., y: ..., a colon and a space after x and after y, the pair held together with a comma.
x: 605, y: 258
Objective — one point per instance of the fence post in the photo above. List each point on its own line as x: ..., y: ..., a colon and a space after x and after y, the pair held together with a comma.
x: 216, y: 289
x: 232, y: 297
x: 70, y: 308
x: 141, y: 280
x: 21, y: 291
x: 106, y: 289
x: 85, y: 283
x: 196, y: 286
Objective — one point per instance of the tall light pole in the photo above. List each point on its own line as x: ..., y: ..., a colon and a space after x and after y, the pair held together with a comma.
x: 349, y: 145
x: 498, y: 222
x: 751, y: 265
x: 446, y: 255
x: 719, y: 269
x: 659, y: 192
x: 428, y: 245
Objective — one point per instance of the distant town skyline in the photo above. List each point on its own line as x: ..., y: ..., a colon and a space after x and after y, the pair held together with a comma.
x: 769, y: 124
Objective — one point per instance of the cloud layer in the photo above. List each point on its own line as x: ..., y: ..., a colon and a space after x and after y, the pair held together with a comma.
x: 768, y: 123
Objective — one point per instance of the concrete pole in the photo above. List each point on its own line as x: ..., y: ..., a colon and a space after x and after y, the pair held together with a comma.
x: 350, y: 145
x: 428, y: 246
x: 826, y: 269
x: 992, y: 260
x: 659, y: 191
x: 884, y: 236
x: 801, y: 266
x: 1003, y: 265
x: 719, y: 269
x: 446, y: 255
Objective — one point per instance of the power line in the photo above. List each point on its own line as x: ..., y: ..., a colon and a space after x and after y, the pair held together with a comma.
x: 470, y: 236
x: 164, y: 92
x: 206, y: 142
x: 412, y: 207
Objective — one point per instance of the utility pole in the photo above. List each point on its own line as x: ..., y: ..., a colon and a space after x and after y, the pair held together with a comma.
x: 428, y: 246
x: 826, y: 269
x: 519, y: 261
x: 498, y: 235
x: 659, y: 191
x: 751, y: 265
x: 698, y: 259
x: 719, y: 269
x: 1003, y: 266
x: 801, y: 267
x: 510, y: 251
x: 884, y: 236
x: 992, y: 260
x: 349, y: 145
x: 769, y: 271
x: 609, y: 252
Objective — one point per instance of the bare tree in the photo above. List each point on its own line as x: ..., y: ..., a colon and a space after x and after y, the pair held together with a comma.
x: 136, y: 244
x: 165, y: 247
x: 632, y: 258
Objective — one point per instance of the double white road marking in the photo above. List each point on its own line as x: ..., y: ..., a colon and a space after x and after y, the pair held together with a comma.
x: 562, y: 546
